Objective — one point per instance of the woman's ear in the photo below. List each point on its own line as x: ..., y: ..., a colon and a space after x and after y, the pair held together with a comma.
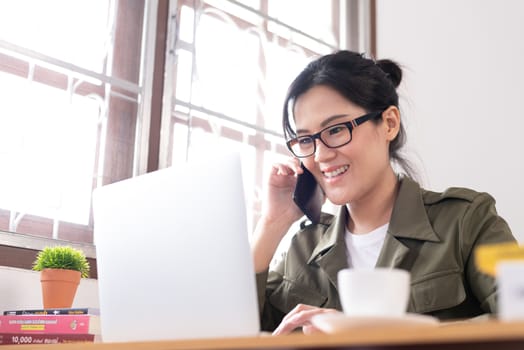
x: 391, y: 118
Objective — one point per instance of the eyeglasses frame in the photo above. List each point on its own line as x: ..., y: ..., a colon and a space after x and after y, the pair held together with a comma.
x: 351, y: 124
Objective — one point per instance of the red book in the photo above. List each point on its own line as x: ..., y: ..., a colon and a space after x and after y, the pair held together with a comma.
x: 24, y: 338
x: 50, y: 324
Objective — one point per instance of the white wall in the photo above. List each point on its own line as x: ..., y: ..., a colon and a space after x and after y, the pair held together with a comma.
x: 463, y: 93
x: 21, y: 289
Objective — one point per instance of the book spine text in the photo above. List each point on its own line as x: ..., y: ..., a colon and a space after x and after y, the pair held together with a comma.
x: 22, y: 338
x: 41, y: 324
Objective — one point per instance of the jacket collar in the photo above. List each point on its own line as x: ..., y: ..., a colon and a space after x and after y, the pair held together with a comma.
x: 408, y: 220
x: 409, y: 227
x: 334, y: 235
x: 330, y: 254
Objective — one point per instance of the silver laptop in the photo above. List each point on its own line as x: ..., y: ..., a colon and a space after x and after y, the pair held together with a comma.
x: 173, y: 255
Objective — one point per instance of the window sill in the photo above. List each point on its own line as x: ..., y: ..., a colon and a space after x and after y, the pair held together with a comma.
x: 20, y: 250
x: 20, y: 240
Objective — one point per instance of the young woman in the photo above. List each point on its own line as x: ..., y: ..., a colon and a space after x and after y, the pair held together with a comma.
x: 342, y: 122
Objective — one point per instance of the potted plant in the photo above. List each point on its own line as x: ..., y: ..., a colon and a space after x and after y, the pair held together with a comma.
x: 61, y: 268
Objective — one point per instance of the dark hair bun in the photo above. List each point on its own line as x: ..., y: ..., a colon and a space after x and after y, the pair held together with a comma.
x: 392, y: 69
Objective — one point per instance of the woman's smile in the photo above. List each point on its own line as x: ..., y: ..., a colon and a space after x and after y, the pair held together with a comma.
x: 334, y: 172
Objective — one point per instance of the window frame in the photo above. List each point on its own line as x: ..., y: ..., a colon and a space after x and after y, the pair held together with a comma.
x: 154, y: 114
x: 48, y: 71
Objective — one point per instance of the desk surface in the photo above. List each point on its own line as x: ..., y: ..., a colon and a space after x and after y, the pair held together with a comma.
x: 483, y: 335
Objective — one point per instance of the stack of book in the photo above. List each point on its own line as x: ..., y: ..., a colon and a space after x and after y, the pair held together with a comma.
x: 49, y: 326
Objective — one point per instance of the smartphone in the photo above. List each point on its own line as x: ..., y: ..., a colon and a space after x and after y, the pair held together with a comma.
x: 308, y: 195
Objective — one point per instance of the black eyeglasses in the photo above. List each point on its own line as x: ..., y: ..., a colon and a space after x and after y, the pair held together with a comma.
x: 333, y: 136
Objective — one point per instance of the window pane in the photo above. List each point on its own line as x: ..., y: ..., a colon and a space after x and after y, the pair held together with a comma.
x: 238, y: 11
x: 316, y: 18
x: 186, y: 24
x: 72, y: 31
x: 183, y: 75
x: 64, y: 131
x: 227, y: 69
x: 48, y: 150
x: 283, y: 66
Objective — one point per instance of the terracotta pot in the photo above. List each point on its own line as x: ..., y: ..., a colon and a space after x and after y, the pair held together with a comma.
x: 59, y: 287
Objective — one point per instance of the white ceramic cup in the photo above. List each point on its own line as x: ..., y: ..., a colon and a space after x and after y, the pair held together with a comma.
x: 379, y: 292
x: 510, y: 280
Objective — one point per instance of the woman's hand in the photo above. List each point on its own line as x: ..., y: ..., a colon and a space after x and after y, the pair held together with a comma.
x: 301, y: 316
x: 278, y: 202
x: 279, y: 212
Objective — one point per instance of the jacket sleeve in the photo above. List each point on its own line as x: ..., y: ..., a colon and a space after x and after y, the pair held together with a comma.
x: 482, y: 225
x: 267, y: 282
x: 292, y: 280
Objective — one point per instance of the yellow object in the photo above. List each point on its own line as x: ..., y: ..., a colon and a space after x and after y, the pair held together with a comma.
x: 489, y: 255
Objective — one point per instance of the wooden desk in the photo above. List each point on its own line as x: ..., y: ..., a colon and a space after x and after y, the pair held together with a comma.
x: 466, y: 335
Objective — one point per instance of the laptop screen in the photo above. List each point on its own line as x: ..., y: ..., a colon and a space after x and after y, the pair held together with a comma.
x: 173, y: 255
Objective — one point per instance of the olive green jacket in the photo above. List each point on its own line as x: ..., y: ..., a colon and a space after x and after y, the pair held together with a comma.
x: 432, y: 235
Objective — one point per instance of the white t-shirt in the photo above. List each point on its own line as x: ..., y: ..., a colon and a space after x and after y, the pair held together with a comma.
x: 364, y: 249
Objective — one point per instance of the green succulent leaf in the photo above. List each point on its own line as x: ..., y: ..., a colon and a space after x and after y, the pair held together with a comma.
x: 62, y: 257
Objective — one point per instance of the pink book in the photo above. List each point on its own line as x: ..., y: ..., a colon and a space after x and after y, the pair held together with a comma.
x: 45, y: 324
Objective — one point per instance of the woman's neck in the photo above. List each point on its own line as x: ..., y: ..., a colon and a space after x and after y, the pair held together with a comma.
x: 375, y: 208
